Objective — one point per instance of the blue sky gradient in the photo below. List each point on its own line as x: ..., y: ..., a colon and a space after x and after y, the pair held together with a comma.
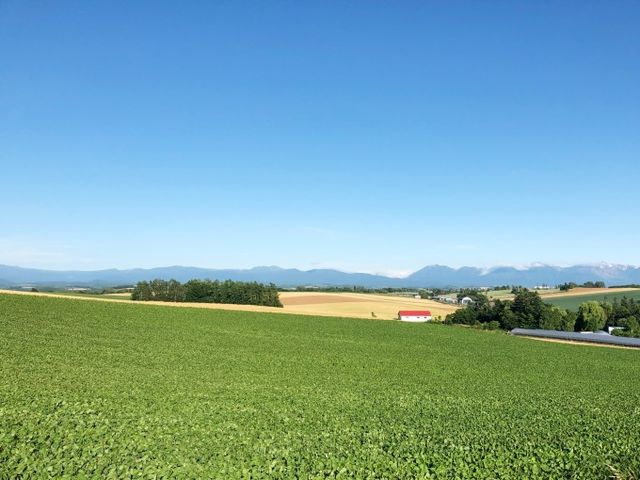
x: 366, y: 136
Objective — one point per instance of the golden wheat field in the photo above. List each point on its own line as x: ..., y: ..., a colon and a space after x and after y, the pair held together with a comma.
x: 361, y: 305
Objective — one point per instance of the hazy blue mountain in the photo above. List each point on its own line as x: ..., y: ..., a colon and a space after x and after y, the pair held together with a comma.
x: 430, y: 276
x: 436, y: 275
x: 534, y: 275
x: 441, y: 276
x: 280, y: 276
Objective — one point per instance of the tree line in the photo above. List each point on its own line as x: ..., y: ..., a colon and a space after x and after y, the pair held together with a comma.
x: 528, y: 310
x: 352, y: 289
x: 208, y: 291
x: 565, y: 287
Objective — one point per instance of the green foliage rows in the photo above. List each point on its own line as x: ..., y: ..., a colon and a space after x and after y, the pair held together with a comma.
x: 112, y: 390
x: 208, y: 291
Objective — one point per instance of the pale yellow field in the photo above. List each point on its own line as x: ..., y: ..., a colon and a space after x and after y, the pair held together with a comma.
x: 555, y: 293
x: 357, y: 305
x: 586, y: 291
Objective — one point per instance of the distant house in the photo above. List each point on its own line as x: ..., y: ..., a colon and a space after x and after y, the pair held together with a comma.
x: 446, y: 299
x: 417, y: 297
x: 467, y: 301
x: 415, y: 316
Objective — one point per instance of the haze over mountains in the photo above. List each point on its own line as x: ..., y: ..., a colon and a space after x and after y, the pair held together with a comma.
x: 430, y: 276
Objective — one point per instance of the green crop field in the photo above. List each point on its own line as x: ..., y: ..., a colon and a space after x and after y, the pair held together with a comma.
x: 115, y: 390
x: 573, y: 302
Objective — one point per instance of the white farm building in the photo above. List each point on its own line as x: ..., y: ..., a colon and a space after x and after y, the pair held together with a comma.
x: 416, y: 316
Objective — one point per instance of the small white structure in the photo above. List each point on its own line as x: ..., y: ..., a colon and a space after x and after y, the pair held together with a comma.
x: 466, y: 301
x: 415, y: 316
x: 611, y: 329
x: 446, y: 299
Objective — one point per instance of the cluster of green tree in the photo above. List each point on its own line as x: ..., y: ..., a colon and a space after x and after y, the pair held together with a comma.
x: 569, y: 285
x: 502, y: 287
x: 208, y: 291
x: 442, y: 291
x: 527, y: 310
x: 624, y: 313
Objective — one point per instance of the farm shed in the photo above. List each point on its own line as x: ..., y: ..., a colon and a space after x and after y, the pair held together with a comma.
x: 446, y: 299
x: 414, y: 316
x: 467, y: 301
x: 602, y: 337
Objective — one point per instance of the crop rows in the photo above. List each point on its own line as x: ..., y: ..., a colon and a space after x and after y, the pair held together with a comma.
x: 116, y: 390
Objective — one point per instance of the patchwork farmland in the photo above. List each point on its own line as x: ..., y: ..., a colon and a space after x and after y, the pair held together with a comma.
x: 572, y: 299
x: 114, y: 389
x: 354, y: 305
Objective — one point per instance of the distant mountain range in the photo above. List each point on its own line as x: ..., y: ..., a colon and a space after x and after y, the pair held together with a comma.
x: 430, y: 276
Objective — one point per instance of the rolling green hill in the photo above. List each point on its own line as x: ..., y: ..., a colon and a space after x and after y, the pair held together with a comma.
x: 114, y: 390
x: 573, y: 302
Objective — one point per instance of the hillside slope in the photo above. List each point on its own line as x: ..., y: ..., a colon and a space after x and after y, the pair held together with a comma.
x: 99, y: 389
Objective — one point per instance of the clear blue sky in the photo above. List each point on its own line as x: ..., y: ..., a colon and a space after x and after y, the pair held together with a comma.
x: 367, y: 136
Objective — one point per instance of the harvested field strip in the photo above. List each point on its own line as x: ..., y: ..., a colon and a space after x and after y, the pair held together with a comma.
x: 590, y: 291
x: 317, y: 299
